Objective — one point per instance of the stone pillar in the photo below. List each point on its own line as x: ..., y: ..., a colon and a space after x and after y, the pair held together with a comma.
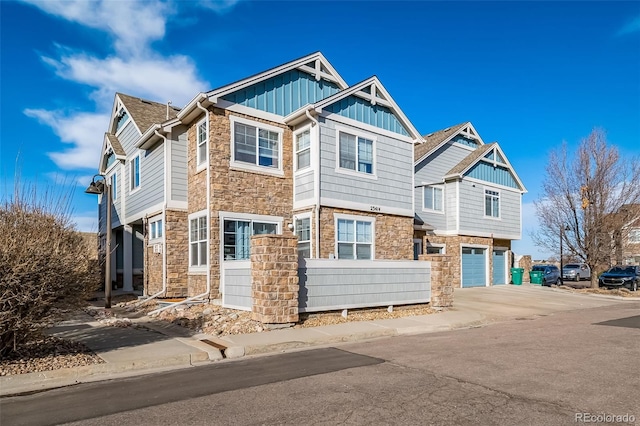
x: 441, y: 279
x: 274, y: 278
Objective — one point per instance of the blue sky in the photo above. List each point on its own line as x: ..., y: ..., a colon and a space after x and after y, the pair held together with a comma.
x: 526, y: 74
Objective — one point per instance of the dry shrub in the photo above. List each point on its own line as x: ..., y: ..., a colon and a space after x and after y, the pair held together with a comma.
x: 45, y: 268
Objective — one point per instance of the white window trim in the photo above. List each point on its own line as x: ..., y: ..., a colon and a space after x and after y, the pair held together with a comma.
x: 295, y: 151
x: 484, y: 203
x: 131, y: 163
x: 202, y: 165
x: 239, y: 165
x: 199, y: 214
x: 337, y: 216
x: 152, y: 221
x: 244, y: 217
x: 306, y: 215
x: 357, y: 133
x: 424, y: 188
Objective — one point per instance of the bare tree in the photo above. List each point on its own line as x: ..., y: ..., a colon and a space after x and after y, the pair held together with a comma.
x: 586, y: 201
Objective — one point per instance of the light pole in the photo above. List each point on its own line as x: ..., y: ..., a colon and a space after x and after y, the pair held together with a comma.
x: 103, y: 187
x: 563, y: 228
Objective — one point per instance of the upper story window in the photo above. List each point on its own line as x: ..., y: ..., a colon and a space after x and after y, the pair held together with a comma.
x: 155, y: 229
x: 237, y: 235
x: 198, y: 240
x: 122, y: 116
x: 134, y: 173
x: 355, y: 153
x: 114, y: 186
x: 303, y: 232
x: 202, y: 142
x: 256, y: 145
x: 354, y: 238
x: 432, y: 198
x: 491, y: 203
x: 303, y: 149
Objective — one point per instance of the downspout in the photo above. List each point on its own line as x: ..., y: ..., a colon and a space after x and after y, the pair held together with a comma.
x: 316, y: 208
x: 207, y: 293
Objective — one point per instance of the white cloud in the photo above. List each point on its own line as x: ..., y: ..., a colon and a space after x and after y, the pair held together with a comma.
x: 86, y: 222
x: 632, y: 26
x: 83, y: 132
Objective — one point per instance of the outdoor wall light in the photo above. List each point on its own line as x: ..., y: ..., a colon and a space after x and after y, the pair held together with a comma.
x: 97, y: 188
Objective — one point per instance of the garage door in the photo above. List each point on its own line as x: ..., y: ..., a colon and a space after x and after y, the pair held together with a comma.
x: 499, y: 262
x: 474, y: 267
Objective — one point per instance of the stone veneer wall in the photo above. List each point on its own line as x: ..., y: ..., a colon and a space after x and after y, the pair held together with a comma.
x: 453, y: 246
x: 152, y: 269
x: 441, y: 279
x: 274, y: 278
x: 176, y: 232
x: 233, y: 190
x: 393, y: 234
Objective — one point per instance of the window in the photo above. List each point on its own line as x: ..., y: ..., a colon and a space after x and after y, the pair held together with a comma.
x: 237, y: 233
x: 491, y: 203
x: 431, y: 249
x: 202, y: 138
x: 155, y: 229
x: 303, y: 231
x: 198, y: 241
x: 303, y: 149
x: 114, y: 186
x: 355, y: 239
x: 255, y: 145
x: 432, y: 198
x: 134, y: 173
x: 356, y: 153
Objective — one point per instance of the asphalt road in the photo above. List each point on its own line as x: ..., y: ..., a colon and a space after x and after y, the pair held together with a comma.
x: 544, y: 370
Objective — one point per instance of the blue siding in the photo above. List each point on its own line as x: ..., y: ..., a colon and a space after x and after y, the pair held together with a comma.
x: 489, y: 173
x: 284, y: 93
x: 464, y: 141
x: 361, y: 110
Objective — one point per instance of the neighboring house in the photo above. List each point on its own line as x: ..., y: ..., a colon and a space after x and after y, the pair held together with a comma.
x: 468, y: 202
x: 626, y: 242
x: 147, y: 181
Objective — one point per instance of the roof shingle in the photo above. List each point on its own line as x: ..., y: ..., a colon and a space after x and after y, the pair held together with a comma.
x: 432, y: 140
x: 146, y: 113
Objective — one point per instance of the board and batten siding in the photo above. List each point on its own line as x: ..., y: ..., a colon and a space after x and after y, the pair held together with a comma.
x: 178, y: 156
x: 151, y: 191
x: 342, y: 284
x: 392, y: 166
x: 472, y: 211
x: 303, y: 185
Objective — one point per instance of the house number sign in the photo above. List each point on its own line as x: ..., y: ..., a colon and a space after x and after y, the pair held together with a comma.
x: 375, y: 208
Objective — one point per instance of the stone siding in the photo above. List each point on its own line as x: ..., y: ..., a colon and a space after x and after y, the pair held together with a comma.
x: 441, y: 279
x: 176, y: 233
x: 274, y: 278
x: 393, y: 234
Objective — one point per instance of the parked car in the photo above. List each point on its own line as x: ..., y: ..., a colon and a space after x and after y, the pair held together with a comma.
x: 621, y: 276
x: 576, y: 272
x: 550, y: 274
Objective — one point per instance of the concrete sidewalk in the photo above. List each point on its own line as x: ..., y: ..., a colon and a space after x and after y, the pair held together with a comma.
x: 151, y: 346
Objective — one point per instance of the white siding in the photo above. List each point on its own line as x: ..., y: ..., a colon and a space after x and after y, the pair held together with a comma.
x: 151, y: 190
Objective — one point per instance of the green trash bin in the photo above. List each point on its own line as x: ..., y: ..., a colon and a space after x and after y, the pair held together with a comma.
x: 536, y: 277
x: 516, y: 275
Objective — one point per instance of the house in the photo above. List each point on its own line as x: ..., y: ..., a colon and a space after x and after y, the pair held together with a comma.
x: 468, y: 201
x: 146, y: 182
x: 626, y: 237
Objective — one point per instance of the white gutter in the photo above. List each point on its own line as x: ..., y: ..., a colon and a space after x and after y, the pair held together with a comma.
x: 207, y: 293
x: 316, y: 208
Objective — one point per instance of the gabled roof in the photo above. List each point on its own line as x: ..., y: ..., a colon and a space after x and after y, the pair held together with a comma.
x: 115, y: 145
x: 435, y: 140
x: 371, y: 90
x: 110, y: 143
x: 314, y: 64
x: 480, y: 154
x: 145, y: 113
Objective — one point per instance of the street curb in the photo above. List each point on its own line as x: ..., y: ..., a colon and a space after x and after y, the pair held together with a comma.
x: 43, y: 380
